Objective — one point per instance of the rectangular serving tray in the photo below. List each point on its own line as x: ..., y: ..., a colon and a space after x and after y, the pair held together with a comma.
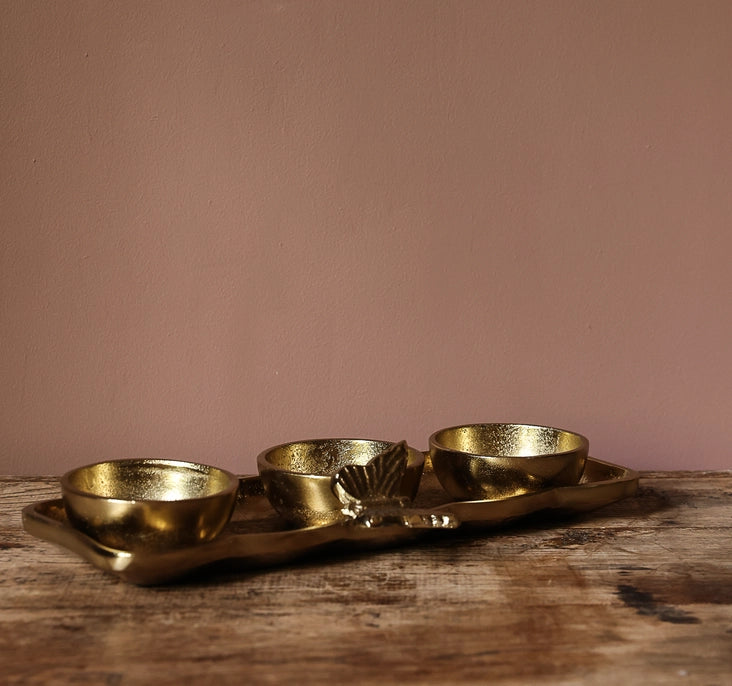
x: 257, y: 537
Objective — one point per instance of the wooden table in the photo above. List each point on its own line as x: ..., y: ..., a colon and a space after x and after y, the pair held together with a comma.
x: 639, y: 592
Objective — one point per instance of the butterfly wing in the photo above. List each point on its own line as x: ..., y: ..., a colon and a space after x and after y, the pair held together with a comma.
x: 380, y: 478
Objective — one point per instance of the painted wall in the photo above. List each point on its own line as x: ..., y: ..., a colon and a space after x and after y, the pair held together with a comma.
x: 227, y: 225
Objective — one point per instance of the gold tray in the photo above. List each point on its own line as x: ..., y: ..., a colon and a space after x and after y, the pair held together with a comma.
x: 256, y: 536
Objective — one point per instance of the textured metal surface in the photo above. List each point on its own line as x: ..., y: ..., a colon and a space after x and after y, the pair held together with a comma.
x: 149, y: 504
x: 494, y: 461
x: 256, y: 536
x: 298, y: 476
x: 370, y: 494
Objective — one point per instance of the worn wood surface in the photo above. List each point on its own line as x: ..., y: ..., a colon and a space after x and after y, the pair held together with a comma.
x: 637, y: 592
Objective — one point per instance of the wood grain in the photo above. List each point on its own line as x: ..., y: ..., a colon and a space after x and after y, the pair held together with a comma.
x: 637, y: 592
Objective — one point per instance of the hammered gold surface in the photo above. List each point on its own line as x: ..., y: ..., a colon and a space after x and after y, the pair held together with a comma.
x: 256, y: 536
x: 494, y: 461
x: 147, y: 479
x: 298, y: 476
x: 146, y: 503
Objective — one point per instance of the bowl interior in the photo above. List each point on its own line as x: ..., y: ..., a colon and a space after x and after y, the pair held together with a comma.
x: 325, y: 457
x: 150, y: 480
x: 508, y: 440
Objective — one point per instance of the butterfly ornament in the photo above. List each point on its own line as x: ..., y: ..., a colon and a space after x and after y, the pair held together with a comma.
x: 370, y: 494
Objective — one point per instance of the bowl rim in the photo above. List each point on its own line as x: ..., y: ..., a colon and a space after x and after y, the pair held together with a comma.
x: 231, y: 486
x: 263, y: 464
x: 583, y: 447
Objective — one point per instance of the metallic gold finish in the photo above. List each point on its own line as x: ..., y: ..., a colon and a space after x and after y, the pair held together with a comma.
x: 370, y: 494
x: 494, y: 461
x: 299, y: 477
x: 146, y: 504
x: 255, y: 536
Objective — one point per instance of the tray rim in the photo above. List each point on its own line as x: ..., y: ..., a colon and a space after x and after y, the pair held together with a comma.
x: 268, y: 548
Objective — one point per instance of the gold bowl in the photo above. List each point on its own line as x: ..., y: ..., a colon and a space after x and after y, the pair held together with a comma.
x: 149, y: 504
x: 494, y: 461
x: 298, y: 477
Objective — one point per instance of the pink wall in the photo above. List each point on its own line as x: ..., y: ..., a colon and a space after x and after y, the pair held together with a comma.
x: 226, y: 225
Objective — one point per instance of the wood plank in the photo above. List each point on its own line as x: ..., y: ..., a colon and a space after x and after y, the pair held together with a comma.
x: 638, y: 592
